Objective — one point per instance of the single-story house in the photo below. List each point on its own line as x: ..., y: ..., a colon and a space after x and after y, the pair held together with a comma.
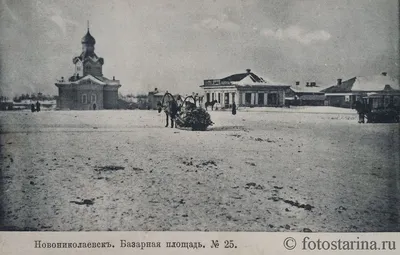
x: 245, y: 89
x: 6, y: 105
x: 378, y: 90
x: 156, y: 96
x: 310, y: 94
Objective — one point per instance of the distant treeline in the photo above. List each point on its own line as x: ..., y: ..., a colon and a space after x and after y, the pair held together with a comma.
x: 4, y: 99
x: 133, y: 96
x: 38, y: 96
x: 131, y: 101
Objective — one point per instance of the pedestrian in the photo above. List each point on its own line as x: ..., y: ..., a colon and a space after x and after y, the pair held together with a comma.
x: 32, y: 108
x: 37, y: 106
x: 94, y: 106
x: 361, y: 110
x: 233, y: 108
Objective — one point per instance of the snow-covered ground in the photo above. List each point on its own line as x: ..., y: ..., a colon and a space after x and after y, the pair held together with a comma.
x: 301, y: 109
x: 274, y: 170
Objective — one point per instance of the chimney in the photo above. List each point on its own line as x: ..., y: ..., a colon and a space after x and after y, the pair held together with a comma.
x: 339, y: 81
x: 297, y: 83
x: 308, y: 84
x: 248, y: 70
x: 313, y: 84
x: 62, y: 79
x: 384, y: 73
x: 113, y: 78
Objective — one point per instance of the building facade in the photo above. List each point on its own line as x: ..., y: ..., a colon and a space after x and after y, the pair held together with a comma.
x: 245, y: 89
x: 380, y: 89
x: 154, y: 97
x: 309, y: 94
x: 87, y: 88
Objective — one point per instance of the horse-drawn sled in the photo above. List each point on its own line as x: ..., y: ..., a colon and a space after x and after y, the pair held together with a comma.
x: 389, y: 114
x: 184, y: 113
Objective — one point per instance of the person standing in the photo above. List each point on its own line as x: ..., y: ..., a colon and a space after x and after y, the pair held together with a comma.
x: 32, y: 108
x: 233, y: 108
x: 360, y: 108
x: 37, y: 106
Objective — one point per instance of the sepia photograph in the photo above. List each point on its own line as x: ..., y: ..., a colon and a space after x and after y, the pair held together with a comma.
x: 205, y: 116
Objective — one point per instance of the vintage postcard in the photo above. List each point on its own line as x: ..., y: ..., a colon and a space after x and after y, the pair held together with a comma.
x: 212, y: 126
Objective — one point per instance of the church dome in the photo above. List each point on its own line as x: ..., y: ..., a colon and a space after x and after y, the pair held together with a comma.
x: 88, y: 39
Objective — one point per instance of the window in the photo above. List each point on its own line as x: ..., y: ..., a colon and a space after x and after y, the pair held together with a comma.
x: 84, y: 99
x: 93, y: 99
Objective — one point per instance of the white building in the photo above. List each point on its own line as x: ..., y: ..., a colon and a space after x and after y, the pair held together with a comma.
x: 245, y: 89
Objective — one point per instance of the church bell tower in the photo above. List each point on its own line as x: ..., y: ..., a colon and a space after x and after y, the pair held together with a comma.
x: 88, y: 62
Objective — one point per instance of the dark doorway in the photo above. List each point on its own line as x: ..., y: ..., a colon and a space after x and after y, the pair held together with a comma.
x: 208, y: 97
x: 272, y: 99
x: 226, y: 101
x: 260, y: 98
x: 247, y: 98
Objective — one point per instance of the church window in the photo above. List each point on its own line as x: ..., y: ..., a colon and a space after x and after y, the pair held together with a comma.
x: 84, y: 99
x: 93, y: 98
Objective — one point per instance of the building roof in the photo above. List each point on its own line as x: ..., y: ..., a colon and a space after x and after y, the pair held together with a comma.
x: 312, y: 97
x: 260, y: 86
x: 88, y: 56
x: 101, y: 80
x: 159, y: 93
x: 365, y: 84
x: 381, y: 94
x: 106, y: 80
x: 302, y: 89
x: 240, y: 76
x: 88, y: 39
x: 240, y: 79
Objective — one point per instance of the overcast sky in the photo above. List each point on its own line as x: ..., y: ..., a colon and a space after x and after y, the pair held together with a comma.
x: 176, y: 44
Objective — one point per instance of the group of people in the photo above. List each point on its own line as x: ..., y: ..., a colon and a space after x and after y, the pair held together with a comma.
x: 37, y: 109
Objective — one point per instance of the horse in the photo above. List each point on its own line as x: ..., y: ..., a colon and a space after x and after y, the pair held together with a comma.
x: 212, y: 103
x: 171, y: 109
